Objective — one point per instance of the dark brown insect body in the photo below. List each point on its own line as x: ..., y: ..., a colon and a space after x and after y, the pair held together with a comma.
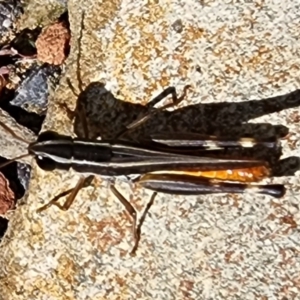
x: 181, y: 164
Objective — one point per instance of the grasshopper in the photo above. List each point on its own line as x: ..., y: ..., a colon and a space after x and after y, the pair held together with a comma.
x: 185, y: 164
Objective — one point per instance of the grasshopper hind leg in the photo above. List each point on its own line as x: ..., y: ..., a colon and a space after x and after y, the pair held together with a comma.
x: 153, y: 111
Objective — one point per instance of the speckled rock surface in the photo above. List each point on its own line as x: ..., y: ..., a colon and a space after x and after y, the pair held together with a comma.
x: 243, y: 64
x: 53, y: 43
x: 33, y: 92
x: 41, y: 12
x: 10, y: 147
x: 9, y: 12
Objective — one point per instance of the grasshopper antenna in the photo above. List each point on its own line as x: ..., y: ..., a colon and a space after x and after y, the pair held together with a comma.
x: 14, y: 159
x: 9, y: 130
x: 80, y: 109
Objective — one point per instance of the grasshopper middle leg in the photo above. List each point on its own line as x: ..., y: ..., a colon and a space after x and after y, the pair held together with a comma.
x: 136, y: 229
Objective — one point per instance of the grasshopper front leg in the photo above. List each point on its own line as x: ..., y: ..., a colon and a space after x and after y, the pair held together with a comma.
x: 72, y: 193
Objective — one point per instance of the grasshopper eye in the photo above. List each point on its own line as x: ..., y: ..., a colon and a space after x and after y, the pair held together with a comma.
x: 46, y: 164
